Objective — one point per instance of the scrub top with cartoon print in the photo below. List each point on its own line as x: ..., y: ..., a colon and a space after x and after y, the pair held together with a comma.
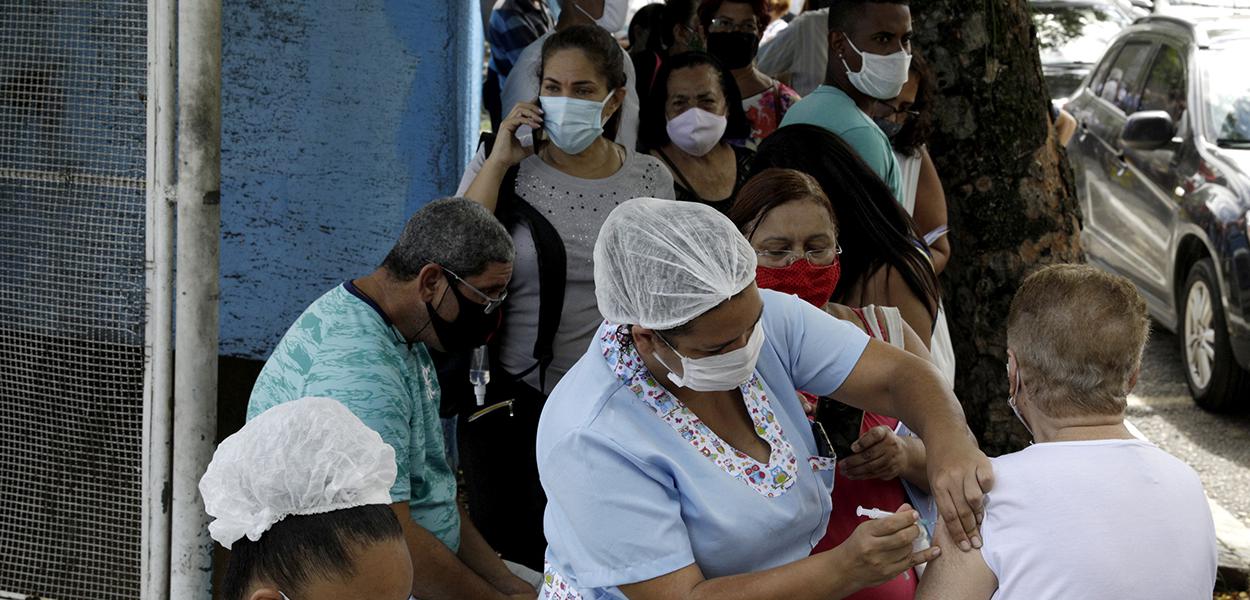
x: 343, y: 347
x: 638, y: 487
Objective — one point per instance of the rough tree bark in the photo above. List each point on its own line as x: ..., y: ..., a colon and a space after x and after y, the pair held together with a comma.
x: 1010, y: 192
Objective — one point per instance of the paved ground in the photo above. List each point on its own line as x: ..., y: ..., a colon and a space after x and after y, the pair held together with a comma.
x: 1214, y: 445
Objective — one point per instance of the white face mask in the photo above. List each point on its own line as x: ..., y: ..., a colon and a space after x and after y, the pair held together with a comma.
x: 572, y: 124
x: 720, y: 372
x: 613, y: 18
x: 881, y: 76
x: 697, y: 131
x: 1011, y: 399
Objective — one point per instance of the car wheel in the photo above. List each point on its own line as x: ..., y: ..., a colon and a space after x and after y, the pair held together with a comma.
x: 1214, y: 377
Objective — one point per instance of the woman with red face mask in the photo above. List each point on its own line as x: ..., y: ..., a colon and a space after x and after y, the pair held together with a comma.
x: 792, y: 226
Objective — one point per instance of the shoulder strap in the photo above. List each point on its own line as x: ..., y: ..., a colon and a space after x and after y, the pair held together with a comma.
x: 552, y: 270
x: 676, y: 172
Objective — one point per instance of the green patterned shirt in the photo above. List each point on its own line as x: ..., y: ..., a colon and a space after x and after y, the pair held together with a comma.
x: 342, y: 348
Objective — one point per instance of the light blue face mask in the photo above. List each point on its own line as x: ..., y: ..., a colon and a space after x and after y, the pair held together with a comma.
x: 572, y: 124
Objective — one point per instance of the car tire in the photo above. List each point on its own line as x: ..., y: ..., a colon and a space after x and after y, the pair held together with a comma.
x: 1215, y: 379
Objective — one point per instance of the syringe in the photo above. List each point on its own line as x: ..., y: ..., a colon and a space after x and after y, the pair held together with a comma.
x: 920, y: 543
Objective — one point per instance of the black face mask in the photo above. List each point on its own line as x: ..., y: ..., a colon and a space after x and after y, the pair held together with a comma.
x: 734, y: 49
x: 472, y: 326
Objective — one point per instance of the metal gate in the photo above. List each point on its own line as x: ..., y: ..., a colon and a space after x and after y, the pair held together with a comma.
x: 73, y: 86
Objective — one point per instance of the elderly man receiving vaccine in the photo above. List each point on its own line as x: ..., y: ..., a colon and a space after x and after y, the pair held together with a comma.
x: 677, y: 460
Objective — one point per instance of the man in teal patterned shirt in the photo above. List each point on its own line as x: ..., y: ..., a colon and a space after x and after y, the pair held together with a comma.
x: 364, y: 343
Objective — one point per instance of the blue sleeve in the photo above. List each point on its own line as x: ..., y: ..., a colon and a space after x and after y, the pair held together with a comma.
x: 821, y: 350
x: 611, y: 519
x: 874, y: 148
x: 379, y: 397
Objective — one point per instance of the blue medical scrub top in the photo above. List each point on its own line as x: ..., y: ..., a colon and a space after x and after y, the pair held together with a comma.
x: 635, y: 492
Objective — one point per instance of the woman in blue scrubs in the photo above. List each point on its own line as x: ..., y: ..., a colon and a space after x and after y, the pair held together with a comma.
x: 676, y: 458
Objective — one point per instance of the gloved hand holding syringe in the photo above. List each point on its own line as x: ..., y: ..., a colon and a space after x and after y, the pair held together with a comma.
x: 921, y: 542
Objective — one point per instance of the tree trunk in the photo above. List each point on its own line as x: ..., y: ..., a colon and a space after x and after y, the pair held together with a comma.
x: 1009, y: 189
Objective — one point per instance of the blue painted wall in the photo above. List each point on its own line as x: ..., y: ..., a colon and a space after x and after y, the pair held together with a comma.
x: 339, y: 120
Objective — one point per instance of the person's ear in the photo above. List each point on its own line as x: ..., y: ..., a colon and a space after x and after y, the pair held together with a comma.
x: 265, y: 592
x: 614, y: 103
x: 645, y: 340
x: 1132, y: 380
x: 431, y: 283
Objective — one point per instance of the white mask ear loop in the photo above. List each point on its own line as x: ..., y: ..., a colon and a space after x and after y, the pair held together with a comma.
x: 1011, y: 398
x: 672, y: 376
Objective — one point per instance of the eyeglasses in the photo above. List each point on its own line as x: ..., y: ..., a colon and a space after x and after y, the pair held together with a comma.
x: 721, y: 24
x: 491, y: 303
x: 786, y: 258
x: 898, y: 111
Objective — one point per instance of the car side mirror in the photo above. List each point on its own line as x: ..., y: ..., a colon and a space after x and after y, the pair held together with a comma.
x: 1148, y: 130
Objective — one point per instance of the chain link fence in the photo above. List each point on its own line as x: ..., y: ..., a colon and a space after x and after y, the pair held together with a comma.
x: 72, y: 209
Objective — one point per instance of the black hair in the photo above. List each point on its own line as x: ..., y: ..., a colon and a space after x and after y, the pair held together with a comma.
x: 843, y: 13
x: 917, y: 129
x: 647, y: 23
x: 653, y: 129
x: 676, y: 12
x: 604, y: 53
x: 874, y: 230
x: 598, y: 45
x: 300, y: 548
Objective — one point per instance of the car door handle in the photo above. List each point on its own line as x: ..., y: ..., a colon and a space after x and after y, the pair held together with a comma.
x: 1084, y: 132
x: 1119, y: 157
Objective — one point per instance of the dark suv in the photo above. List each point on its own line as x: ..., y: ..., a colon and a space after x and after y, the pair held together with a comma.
x: 1162, y: 161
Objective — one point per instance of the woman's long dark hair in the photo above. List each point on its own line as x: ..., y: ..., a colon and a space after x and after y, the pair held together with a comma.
x: 873, y: 229
x: 653, y: 129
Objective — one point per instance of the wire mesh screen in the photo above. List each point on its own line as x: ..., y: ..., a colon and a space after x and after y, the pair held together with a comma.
x: 72, y: 139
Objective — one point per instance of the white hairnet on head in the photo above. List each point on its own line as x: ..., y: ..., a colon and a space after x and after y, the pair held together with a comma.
x: 305, y: 457
x: 661, y: 263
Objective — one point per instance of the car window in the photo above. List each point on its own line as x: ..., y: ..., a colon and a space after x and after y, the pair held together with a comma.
x: 1075, y: 34
x: 1227, y: 94
x: 1122, y: 86
x: 1096, y: 81
x: 1165, y: 87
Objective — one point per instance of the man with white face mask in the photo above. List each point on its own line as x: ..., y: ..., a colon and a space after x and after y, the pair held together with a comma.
x: 1088, y: 510
x: 678, y: 461
x: 869, y: 57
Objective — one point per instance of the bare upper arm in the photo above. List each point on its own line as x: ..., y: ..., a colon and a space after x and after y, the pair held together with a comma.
x: 672, y: 586
x: 887, y: 287
x: 956, y: 575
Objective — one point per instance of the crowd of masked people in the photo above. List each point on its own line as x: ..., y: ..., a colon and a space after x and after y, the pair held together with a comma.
x: 704, y: 277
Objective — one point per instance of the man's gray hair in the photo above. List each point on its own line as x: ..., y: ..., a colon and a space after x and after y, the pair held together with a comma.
x: 455, y: 233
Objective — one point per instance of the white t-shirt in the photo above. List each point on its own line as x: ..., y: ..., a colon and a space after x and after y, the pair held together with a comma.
x: 802, y: 50
x: 1098, y: 519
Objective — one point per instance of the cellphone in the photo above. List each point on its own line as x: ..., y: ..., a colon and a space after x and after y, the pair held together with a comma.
x: 841, y: 424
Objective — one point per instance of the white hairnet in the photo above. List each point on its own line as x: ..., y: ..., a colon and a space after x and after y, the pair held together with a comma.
x: 305, y: 457
x: 661, y: 263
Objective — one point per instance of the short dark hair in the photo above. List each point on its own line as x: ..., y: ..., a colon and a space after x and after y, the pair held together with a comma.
x: 844, y: 13
x: 874, y: 229
x: 300, y: 548
x: 653, y: 130
x: 708, y: 8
